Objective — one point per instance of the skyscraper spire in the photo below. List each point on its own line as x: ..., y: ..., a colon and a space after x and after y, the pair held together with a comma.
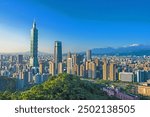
x: 34, y: 23
x: 34, y: 46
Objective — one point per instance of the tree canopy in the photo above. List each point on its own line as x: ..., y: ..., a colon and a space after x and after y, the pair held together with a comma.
x: 61, y: 87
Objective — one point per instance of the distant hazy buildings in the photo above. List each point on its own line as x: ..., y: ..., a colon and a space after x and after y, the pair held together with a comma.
x: 57, y: 54
x: 34, y: 46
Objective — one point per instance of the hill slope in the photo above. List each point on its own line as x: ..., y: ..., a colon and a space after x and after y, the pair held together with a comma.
x: 62, y: 87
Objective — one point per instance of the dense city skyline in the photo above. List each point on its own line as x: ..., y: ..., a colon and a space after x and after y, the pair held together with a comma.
x: 92, y: 24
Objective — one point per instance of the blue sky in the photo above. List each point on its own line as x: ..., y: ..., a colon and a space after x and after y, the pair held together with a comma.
x: 79, y: 24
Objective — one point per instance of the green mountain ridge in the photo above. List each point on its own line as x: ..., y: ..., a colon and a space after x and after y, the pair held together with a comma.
x: 61, y: 87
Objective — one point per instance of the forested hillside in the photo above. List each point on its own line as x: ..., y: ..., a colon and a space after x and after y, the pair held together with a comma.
x: 62, y: 87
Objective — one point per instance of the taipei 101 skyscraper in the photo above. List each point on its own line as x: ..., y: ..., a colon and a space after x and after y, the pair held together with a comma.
x: 34, y: 46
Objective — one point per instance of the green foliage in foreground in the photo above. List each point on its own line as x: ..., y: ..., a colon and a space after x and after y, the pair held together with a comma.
x: 62, y: 87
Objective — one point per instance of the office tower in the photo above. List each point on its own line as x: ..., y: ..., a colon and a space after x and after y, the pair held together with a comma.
x: 57, y: 54
x: 141, y: 76
x: 82, y: 70
x: 76, y: 70
x: 105, y: 69
x: 41, y: 67
x: 20, y: 81
x: 20, y: 59
x: 88, y: 55
x: 52, y: 68
x: 60, y: 67
x: 25, y: 77
x: 69, y: 65
x: 112, y: 74
x: 126, y: 76
x: 34, y: 46
x: 30, y: 77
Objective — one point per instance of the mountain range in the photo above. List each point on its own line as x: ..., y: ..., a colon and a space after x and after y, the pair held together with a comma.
x: 133, y: 49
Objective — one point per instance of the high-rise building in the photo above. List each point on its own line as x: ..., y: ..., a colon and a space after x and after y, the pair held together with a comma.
x: 76, y: 59
x: 57, y: 54
x: 86, y: 68
x: 105, y: 69
x: 76, y: 70
x: 20, y: 59
x: 41, y: 67
x: 112, y: 72
x: 88, y: 55
x: 69, y: 65
x: 92, y: 70
x: 60, y: 67
x: 97, y: 62
x: 25, y: 77
x: 82, y: 70
x: 69, y: 55
x: 142, y: 76
x: 34, y: 46
x: 52, y: 68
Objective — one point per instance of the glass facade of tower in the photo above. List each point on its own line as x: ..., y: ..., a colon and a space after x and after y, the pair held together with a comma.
x: 34, y: 46
x: 57, y: 54
x: 88, y: 55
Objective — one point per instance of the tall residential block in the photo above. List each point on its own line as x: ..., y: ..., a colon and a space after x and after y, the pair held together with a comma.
x: 82, y: 70
x: 52, y: 68
x: 92, y: 70
x: 76, y: 70
x: 112, y: 72
x: 41, y: 67
x: 60, y: 67
x: 69, y: 66
x: 105, y: 69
